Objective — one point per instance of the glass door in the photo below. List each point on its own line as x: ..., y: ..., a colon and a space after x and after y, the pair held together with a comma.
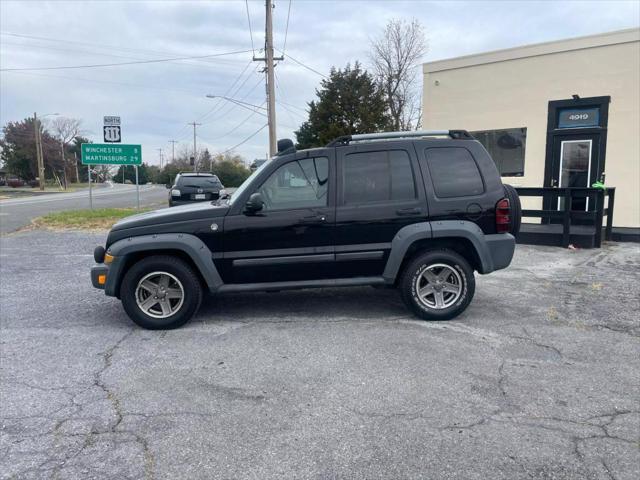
x: 575, y: 164
x: 575, y: 170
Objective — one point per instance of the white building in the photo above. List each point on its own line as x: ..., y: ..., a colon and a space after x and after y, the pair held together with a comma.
x: 551, y: 114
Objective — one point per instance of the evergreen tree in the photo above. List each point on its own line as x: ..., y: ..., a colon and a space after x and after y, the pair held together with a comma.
x: 18, y: 150
x: 349, y: 102
x: 130, y: 174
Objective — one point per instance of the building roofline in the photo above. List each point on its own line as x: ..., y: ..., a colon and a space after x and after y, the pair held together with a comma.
x: 627, y: 35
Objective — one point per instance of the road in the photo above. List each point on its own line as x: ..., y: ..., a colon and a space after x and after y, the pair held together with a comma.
x: 18, y: 212
x: 538, y: 379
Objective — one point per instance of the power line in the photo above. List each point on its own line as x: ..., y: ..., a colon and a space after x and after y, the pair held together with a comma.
x: 286, y: 30
x: 235, y: 103
x: 280, y: 101
x: 183, y: 132
x: 100, y: 46
x: 246, y: 139
x: 234, y: 128
x: 246, y: 2
x: 122, y: 84
x: 138, y: 62
x: 217, y: 104
x: 302, y: 64
x: 104, y: 54
x: 280, y: 88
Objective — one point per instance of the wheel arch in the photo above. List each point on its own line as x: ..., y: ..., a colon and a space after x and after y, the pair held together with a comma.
x: 462, y: 246
x: 187, y: 247
x: 465, y: 238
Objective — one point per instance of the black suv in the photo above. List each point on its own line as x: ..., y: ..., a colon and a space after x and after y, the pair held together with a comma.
x: 194, y: 187
x: 420, y: 211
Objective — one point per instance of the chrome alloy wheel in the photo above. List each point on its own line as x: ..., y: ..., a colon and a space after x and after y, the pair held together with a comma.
x: 439, y: 286
x: 159, y: 294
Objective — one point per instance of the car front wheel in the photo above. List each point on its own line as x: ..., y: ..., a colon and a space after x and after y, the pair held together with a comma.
x: 161, y: 292
x: 438, y: 285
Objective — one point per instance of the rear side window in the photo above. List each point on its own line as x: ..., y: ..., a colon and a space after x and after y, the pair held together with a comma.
x: 377, y: 177
x: 454, y: 172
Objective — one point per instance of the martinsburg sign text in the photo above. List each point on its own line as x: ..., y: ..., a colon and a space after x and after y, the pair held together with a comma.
x: 110, y: 154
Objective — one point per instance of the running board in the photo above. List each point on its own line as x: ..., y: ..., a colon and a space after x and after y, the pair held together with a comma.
x: 326, y: 283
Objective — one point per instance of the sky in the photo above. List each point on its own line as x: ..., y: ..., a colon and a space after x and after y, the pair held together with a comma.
x: 156, y: 100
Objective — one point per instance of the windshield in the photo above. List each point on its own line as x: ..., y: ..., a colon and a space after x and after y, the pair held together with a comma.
x: 199, y: 182
x: 246, y: 183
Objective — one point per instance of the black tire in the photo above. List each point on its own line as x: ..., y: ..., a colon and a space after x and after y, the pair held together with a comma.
x: 461, y: 274
x: 516, y: 209
x: 191, y: 291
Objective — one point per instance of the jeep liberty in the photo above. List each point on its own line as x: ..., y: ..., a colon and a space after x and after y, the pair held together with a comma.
x: 418, y: 211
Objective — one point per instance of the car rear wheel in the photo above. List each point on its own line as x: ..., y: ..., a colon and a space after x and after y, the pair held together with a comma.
x: 438, y: 285
x: 161, y: 292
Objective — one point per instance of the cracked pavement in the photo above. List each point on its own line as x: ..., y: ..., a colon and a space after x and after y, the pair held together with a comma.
x: 539, y: 379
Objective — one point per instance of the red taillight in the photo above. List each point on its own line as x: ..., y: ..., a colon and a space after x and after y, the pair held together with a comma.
x: 503, y: 219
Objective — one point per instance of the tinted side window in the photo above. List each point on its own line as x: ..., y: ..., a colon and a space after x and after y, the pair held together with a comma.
x: 378, y: 176
x: 454, y: 172
x: 298, y: 184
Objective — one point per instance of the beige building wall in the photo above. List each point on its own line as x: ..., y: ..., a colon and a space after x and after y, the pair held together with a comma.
x: 511, y: 88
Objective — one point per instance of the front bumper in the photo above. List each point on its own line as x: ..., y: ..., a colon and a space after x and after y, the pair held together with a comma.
x: 96, y: 273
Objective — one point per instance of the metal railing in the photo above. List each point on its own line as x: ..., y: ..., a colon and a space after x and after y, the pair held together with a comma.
x: 593, y: 216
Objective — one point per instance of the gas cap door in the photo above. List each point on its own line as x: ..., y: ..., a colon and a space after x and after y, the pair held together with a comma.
x: 474, y: 211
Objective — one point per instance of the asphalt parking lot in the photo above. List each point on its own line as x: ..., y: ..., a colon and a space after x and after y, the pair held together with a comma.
x: 539, y: 379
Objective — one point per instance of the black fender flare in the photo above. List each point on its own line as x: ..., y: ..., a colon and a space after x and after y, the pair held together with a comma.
x: 189, y: 244
x: 408, y: 235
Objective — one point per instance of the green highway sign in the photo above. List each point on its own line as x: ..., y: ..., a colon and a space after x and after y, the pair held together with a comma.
x: 110, y: 154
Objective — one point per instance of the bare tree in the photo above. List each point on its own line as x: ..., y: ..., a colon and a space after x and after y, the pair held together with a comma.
x: 395, y: 56
x: 66, y: 129
x: 103, y: 172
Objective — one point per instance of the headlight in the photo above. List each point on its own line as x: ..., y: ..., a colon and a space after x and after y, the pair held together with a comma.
x: 175, y: 192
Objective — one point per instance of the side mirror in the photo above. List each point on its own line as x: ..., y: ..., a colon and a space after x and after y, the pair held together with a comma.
x: 254, y: 204
x: 168, y: 185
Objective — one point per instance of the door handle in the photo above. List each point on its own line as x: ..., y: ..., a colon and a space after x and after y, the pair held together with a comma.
x: 313, y: 219
x: 408, y: 211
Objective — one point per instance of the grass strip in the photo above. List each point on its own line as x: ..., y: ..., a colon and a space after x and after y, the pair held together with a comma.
x: 98, y: 218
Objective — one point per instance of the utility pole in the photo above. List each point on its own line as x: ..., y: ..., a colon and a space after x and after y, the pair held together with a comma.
x: 64, y: 163
x: 160, y: 155
x: 75, y: 159
x: 195, y: 159
x: 39, y: 156
x: 173, y: 150
x: 268, y: 59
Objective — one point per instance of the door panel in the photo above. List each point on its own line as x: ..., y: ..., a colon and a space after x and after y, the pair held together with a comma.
x: 292, y: 237
x: 379, y: 192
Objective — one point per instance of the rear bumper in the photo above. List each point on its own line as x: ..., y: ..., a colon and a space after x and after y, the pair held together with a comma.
x: 500, y: 248
x: 96, y: 272
x: 175, y: 203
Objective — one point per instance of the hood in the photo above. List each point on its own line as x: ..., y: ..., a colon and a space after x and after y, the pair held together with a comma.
x: 191, y: 219
x: 196, y: 211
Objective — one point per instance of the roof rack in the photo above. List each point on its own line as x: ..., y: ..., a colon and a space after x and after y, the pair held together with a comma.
x: 346, y: 139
